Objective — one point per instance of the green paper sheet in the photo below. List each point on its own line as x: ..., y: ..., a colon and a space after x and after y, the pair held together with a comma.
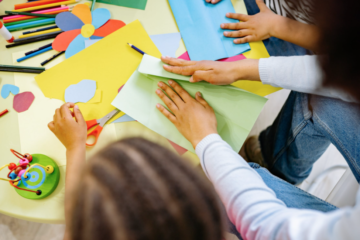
x: 236, y: 110
x: 138, y: 4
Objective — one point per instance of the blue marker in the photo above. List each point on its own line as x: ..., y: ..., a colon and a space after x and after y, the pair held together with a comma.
x: 34, y: 54
x: 138, y: 50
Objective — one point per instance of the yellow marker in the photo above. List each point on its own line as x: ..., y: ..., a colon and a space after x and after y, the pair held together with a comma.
x: 40, y: 33
x: 29, y: 9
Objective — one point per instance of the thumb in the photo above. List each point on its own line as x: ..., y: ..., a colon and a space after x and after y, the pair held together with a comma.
x: 78, y: 115
x: 201, y: 100
x: 200, y: 76
x: 262, y: 6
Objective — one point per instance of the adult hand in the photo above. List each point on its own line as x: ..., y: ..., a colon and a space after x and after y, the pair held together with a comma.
x: 69, y: 127
x: 218, y: 73
x: 194, y: 118
x: 252, y: 28
x: 213, y: 1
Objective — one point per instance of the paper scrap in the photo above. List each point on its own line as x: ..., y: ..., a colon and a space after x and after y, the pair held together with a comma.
x: 167, y: 43
x: 99, y: 17
x: 110, y: 62
x: 236, y: 110
x: 83, y: 91
x: 138, y: 4
x: 7, y: 89
x: 199, y: 23
x: 64, y: 39
x: 67, y: 21
x: 82, y: 11
x: 90, y: 42
x: 109, y: 27
x: 125, y: 118
x: 23, y: 101
x: 180, y: 150
x: 120, y: 88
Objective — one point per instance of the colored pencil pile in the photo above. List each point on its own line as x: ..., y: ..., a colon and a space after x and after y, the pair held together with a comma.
x: 35, y: 14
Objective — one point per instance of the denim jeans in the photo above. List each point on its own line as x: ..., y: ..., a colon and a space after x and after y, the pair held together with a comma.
x: 276, y: 46
x: 304, y: 129
x: 292, y: 196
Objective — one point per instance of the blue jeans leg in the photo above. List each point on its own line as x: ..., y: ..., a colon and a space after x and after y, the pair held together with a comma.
x: 304, y: 129
x: 292, y: 196
x: 276, y: 46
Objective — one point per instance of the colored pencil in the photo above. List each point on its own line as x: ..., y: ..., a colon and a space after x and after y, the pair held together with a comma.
x: 29, y: 38
x: 31, y: 24
x: 34, y: 54
x: 2, y: 69
x: 35, y: 3
x: 93, y: 5
x: 39, y: 33
x: 40, y: 29
x: 31, y: 14
x: 48, y: 11
x: 4, y: 112
x: 52, y: 58
x: 32, y: 40
x: 4, y: 16
x: 23, y: 67
x: 45, y: 46
x: 24, y: 21
x: 47, y: 6
x: 137, y: 49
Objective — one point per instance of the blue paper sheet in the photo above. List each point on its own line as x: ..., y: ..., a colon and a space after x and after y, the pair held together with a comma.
x: 167, y: 43
x: 199, y: 23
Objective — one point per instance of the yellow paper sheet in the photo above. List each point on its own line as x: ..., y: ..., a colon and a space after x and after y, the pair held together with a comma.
x: 110, y: 62
x: 97, y: 97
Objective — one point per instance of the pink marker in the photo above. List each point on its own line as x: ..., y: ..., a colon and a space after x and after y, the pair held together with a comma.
x: 6, y: 34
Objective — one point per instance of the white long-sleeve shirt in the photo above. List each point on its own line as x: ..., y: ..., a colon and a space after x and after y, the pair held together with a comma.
x: 298, y: 73
x: 254, y: 209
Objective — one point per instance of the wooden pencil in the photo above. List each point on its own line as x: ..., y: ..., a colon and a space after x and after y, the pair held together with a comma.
x: 35, y: 3
x: 32, y: 51
x: 39, y: 33
x: 23, y: 67
x: 31, y: 14
x: 37, y: 39
x: 52, y: 58
x: 24, y: 21
x: 38, y: 23
x: 47, y: 6
x: 33, y: 37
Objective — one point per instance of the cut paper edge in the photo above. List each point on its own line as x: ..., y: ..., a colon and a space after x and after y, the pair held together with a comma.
x: 82, y: 11
x: 109, y: 27
x: 124, y: 118
x: 63, y: 40
x: 77, y: 45
x: 99, y: 17
x: 167, y: 43
x: 67, y: 21
x: 82, y: 92
x: 23, y: 101
x: 97, y: 97
x: 7, y: 89
x: 120, y: 88
x: 180, y: 150
x: 90, y: 42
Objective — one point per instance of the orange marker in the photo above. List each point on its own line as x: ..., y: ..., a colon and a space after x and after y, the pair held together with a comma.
x: 6, y: 34
x: 3, y: 112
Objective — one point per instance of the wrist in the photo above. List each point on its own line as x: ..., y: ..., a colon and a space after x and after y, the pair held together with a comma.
x: 276, y: 25
x: 248, y: 69
x: 196, y: 141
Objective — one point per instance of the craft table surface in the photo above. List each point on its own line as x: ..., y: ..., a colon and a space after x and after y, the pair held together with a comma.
x: 28, y: 132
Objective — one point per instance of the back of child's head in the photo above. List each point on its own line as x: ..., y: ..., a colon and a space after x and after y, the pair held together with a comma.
x: 135, y: 189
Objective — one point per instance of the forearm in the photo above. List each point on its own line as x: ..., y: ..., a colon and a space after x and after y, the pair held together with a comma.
x: 247, y: 69
x: 75, y: 162
x: 301, y: 34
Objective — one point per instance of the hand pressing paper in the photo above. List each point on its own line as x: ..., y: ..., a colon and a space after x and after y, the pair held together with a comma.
x: 236, y: 110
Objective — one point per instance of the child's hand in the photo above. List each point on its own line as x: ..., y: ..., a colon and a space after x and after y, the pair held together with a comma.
x: 213, y: 1
x: 71, y: 132
x: 218, y: 73
x: 194, y: 118
x: 252, y: 28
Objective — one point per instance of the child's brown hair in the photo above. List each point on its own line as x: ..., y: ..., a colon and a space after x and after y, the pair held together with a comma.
x: 135, y: 189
